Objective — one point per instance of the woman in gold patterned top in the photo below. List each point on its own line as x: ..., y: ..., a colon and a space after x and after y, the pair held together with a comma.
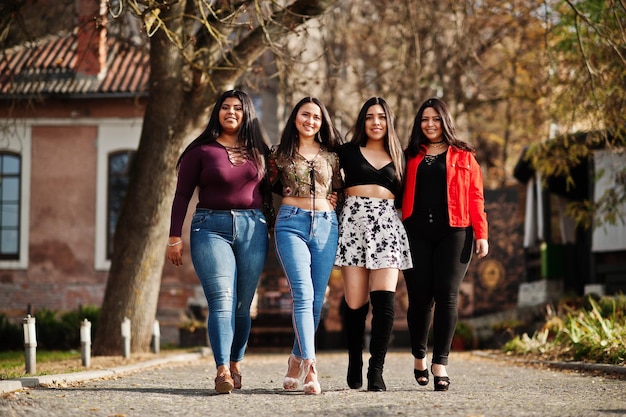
x: 306, y: 230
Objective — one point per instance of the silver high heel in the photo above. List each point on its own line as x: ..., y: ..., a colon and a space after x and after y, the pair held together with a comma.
x: 311, y: 387
x: 290, y: 383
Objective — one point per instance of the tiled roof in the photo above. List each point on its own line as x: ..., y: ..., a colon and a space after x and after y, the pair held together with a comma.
x: 48, y: 68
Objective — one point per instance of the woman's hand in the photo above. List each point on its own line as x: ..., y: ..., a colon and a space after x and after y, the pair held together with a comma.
x: 482, y: 247
x: 175, y: 250
x: 332, y: 199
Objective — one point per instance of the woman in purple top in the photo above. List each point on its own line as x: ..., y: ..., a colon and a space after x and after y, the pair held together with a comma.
x: 229, y: 236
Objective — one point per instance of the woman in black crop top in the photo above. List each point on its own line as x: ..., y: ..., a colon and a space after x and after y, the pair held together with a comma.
x: 373, y: 245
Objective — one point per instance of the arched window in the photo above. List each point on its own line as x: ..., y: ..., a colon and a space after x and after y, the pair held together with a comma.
x: 10, y: 205
x: 118, y: 172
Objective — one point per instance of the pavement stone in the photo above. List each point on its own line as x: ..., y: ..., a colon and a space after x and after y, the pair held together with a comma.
x: 482, y: 385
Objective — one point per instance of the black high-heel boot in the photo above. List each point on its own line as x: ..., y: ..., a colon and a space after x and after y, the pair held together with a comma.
x: 383, y: 310
x: 354, y: 328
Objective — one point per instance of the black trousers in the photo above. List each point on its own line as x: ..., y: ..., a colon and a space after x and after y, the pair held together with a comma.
x: 441, y: 256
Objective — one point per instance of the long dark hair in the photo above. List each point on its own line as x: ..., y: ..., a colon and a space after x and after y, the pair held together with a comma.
x: 328, y: 135
x: 249, y: 134
x: 392, y: 141
x: 417, y: 138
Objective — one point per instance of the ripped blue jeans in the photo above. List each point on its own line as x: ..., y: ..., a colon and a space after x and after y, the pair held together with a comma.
x: 228, y: 251
x: 305, y: 247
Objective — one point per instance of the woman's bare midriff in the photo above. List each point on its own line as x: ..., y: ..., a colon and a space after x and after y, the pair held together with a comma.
x: 369, y: 190
x: 306, y: 203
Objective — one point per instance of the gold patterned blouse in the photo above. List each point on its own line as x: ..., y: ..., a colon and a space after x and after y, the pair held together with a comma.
x: 300, y: 177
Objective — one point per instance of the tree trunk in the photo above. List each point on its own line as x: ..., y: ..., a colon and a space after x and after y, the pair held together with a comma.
x: 140, y: 238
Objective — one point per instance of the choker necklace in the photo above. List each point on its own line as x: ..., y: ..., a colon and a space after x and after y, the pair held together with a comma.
x: 437, y: 144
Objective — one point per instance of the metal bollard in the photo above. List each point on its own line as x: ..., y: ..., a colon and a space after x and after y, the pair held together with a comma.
x: 85, y: 343
x: 126, y: 337
x: 30, y: 344
x: 156, y: 337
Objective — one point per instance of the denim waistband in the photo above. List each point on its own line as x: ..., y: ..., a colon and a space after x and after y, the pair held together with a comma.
x: 230, y: 211
x: 297, y: 210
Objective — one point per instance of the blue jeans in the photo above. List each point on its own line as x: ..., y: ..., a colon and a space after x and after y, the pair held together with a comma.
x: 228, y: 250
x: 305, y: 247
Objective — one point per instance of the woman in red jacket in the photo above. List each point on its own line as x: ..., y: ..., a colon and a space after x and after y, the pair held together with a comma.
x: 443, y: 210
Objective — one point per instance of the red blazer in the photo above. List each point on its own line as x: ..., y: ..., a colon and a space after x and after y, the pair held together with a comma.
x: 466, y: 202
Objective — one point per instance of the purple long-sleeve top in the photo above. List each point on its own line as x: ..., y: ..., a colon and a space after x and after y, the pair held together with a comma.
x: 221, y: 185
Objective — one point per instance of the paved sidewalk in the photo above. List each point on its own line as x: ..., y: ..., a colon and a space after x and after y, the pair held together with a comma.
x: 481, y: 386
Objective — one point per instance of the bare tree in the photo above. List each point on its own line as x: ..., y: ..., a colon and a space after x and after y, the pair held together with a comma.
x: 486, y: 59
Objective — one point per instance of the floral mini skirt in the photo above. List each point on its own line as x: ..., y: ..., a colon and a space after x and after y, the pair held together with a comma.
x: 371, y: 235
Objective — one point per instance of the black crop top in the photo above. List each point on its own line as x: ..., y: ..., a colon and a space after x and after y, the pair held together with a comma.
x: 358, y: 171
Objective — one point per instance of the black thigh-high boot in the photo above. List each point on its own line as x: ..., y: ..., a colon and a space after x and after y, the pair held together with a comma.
x: 383, y: 309
x: 354, y: 328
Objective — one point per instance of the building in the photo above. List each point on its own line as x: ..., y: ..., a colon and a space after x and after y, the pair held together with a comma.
x: 561, y: 256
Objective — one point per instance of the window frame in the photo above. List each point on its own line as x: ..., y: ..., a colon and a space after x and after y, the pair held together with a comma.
x: 17, y: 141
x: 18, y: 176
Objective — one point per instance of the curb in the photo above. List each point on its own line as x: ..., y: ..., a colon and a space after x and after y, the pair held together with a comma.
x: 574, y: 365
x: 64, y: 379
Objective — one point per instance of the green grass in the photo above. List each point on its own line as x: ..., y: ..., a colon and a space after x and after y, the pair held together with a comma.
x: 12, y: 363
